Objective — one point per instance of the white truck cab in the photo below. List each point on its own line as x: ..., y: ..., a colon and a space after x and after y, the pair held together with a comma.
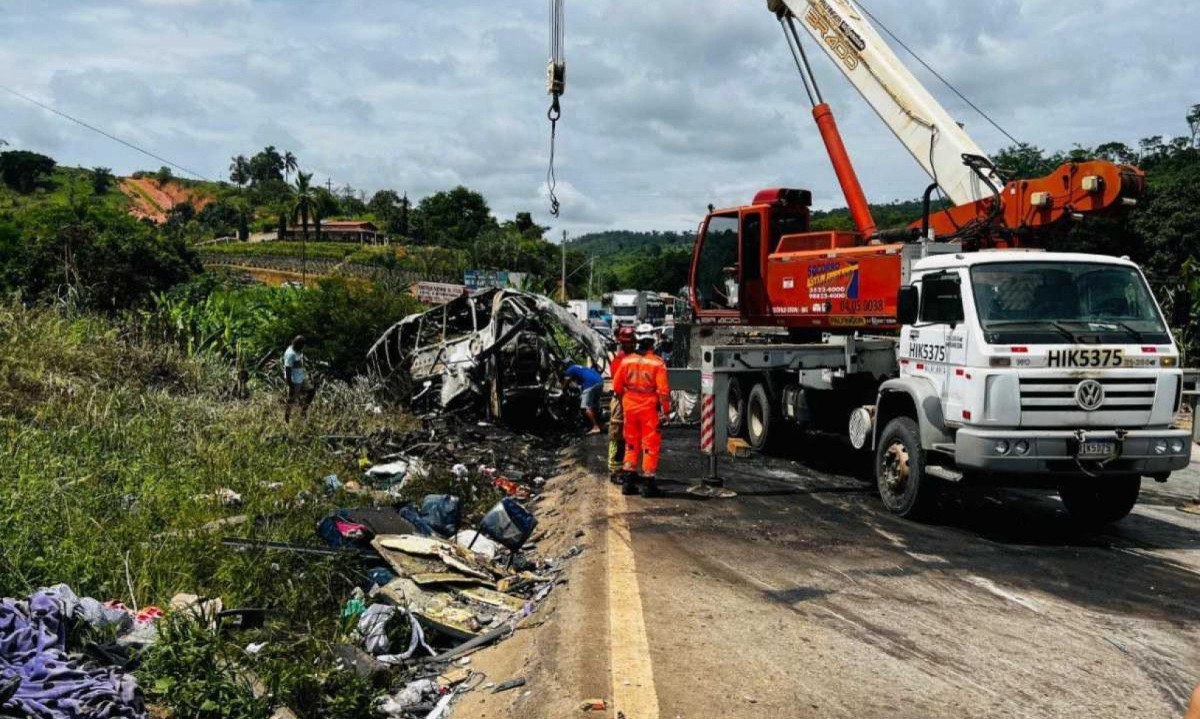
x: 1044, y: 366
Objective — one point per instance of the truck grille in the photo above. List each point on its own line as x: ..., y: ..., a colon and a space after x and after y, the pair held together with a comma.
x: 1053, y: 394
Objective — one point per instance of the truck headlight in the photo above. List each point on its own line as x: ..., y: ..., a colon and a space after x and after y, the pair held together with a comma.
x: 1176, y: 446
x: 1021, y: 447
x: 1001, y: 446
x: 1160, y: 446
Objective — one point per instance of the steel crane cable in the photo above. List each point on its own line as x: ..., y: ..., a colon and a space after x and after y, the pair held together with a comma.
x: 556, y: 80
x: 936, y: 74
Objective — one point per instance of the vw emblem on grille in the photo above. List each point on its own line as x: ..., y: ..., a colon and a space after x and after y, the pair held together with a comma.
x: 1090, y: 395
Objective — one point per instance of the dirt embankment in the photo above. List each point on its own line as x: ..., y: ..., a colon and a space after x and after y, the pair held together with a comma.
x: 561, y: 651
x: 153, y: 201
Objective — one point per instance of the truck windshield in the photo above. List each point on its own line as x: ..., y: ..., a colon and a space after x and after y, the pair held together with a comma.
x: 629, y: 311
x: 1065, y: 303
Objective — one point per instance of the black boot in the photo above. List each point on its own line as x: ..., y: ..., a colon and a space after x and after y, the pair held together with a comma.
x: 629, y: 484
x: 650, y: 488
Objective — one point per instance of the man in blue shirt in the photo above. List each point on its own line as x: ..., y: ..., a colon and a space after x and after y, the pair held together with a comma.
x: 590, y: 384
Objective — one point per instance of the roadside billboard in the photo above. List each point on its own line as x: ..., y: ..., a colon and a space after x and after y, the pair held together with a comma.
x: 480, y: 279
x: 436, y: 293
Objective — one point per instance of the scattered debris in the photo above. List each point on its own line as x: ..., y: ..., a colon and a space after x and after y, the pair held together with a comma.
x: 363, y: 664
x: 40, y: 678
x: 453, y: 677
x: 738, y: 447
x: 413, y: 694
x: 203, y: 609
x: 508, y: 523
x: 594, y: 705
x: 509, y: 685
x: 442, y: 576
x: 395, y: 474
x: 477, y: 543
x: 223, y: 496
x: 372, y: 626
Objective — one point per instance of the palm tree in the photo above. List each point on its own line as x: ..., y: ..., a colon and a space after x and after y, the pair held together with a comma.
x: 244, y: 212
x: 289, y: 164
x: 239, y: 171
x: 304, y: 206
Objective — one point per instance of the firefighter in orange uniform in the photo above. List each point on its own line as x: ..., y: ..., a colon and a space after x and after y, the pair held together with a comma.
x: 641, y: 383
x: 616, y: 421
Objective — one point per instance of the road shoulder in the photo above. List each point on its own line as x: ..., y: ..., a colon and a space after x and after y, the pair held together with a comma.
x: 562, y: 650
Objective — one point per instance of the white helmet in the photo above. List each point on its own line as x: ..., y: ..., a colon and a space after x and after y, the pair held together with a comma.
x: 645, y: 331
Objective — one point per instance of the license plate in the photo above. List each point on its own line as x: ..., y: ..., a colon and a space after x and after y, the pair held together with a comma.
x: 1096, y: 449
x: 1092, y: 357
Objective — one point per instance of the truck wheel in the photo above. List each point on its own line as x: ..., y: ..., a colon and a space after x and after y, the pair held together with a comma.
x: 735, y: 402
x: 760, y: 416
x: 904, y: 486
x: 1101, y: 501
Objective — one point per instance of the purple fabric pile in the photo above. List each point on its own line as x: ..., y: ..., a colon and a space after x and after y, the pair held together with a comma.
x: 52, y: 684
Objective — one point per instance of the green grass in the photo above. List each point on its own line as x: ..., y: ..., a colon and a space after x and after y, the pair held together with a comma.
x: 110, y: 444
x: 58, y: 189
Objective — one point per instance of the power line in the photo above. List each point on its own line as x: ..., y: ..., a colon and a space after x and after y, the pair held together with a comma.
x: 97, y: 130
x: 936, y: 74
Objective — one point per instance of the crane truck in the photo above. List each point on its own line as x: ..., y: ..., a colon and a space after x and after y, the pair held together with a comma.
x: 952, y: 349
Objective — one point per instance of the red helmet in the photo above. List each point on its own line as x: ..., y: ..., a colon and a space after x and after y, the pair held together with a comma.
x: 626, y: 334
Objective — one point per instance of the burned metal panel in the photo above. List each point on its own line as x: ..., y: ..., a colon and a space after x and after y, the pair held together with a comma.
x: 495, y: 345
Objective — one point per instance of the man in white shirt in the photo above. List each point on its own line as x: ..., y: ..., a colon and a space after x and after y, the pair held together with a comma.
x: 299, y: 389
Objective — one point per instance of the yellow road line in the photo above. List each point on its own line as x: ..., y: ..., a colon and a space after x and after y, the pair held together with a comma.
x: 633, y: 692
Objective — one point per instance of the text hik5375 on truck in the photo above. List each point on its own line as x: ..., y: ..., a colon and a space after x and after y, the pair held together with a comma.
x: 950, y: 349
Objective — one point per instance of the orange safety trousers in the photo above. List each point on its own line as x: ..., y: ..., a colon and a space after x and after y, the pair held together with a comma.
x: 641, y: 382
x: 643, y: 441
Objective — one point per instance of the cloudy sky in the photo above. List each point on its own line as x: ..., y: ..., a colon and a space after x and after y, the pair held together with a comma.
x: 671, y: 104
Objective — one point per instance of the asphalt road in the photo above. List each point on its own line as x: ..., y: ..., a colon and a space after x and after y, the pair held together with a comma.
x: 802, y: 597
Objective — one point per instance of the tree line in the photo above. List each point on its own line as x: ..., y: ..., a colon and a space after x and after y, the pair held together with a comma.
x: 1162, y: 233
x: 81, y: 237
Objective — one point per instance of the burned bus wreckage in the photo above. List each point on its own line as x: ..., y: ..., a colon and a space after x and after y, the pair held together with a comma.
x: 497, y: 352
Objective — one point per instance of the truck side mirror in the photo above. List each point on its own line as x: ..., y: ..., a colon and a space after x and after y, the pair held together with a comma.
x: 908, y: 299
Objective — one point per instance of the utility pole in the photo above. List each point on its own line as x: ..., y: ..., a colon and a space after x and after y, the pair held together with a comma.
x: 591, y: 274
x: 564, y: 266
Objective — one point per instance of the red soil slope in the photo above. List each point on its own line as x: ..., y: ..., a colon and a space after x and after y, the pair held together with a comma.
x: 154, y: 202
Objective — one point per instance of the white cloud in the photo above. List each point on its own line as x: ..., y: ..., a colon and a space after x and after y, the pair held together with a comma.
x: 670, y: 104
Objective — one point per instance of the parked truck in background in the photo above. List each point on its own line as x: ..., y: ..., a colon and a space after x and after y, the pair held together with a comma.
x: 948, y: 349
x: 581, y: 309
x: 634, y: 307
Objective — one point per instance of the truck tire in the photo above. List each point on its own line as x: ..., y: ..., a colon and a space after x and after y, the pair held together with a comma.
x: 1101, y: 501
x: 760, y: 418
x: 735, y: 399
x: 904, y: 487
